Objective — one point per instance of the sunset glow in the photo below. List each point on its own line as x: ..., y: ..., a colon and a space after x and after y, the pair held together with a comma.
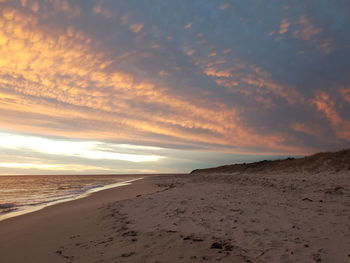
x: 117, y: 82
x: 84, y: 149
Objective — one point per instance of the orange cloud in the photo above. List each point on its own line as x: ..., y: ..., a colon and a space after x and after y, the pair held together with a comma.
x: 35, y: 6
x: 136, y: 27
x: 284, y: 26
x: 212, y: 71
x: 163, y: 73
x: 190, y: 52
x: 188, y: 26
x: 260, y: 82
x: 49, y: 78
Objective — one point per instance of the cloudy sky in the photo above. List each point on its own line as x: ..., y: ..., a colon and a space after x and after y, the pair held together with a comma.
x: 115, y: 86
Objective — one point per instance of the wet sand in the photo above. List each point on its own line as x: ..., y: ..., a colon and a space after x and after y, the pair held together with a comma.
x: 38, y: 236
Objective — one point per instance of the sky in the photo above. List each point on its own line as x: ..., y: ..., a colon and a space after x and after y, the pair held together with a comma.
x: 150, y: 86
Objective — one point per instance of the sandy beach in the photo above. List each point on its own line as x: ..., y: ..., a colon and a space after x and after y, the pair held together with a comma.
x: 39, y: 236
x: 200, y: 217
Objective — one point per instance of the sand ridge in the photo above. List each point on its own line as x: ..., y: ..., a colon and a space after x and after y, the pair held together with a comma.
x: 316, y: 163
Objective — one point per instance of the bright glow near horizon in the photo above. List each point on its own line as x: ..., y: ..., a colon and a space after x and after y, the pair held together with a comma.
x: 51, y: 167
x: 83, y: 149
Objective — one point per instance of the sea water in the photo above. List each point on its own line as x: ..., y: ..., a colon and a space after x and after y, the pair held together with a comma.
x: 27, y: 193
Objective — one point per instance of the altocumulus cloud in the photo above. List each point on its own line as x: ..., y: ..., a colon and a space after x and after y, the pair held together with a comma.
x: 241, y: 78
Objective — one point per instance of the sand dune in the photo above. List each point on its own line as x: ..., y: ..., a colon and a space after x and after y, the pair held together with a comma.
x: 216, y: 216
x: 320, y: 162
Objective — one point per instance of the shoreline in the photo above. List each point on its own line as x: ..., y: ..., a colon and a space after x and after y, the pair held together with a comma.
x: 38, y: 207
x: 40, y: 233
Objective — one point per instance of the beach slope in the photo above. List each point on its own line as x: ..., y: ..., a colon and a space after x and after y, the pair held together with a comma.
x: 263, y: 212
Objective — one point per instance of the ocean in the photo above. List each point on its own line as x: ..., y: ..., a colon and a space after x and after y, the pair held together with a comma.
x: 26, y: 193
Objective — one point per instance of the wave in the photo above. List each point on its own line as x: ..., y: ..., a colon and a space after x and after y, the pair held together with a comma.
x: 7, y: 208
x: 7, y: 205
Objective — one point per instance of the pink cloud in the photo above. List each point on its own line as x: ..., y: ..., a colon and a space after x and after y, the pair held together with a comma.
x: 311, y: 33
x: 106, y: 13
x: 55, y: 72
x: 224, y: 6
x: 307, y: 29
x: 212, y: 71
x: 188, y: 26
x: 306, y: 128
x: 345, y: 92
x: 190, y: 52
x: 284, y: 26
x: 136, y: 27
x: 260, y: 83
x: 326, y: 105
